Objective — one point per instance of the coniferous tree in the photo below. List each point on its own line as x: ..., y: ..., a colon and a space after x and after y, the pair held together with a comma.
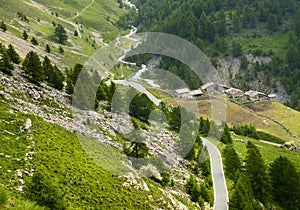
x: 185, y: 143
x: 244, y: 62
x: 56, y: 78
x: 221, y: 24
x: 272, y: 22
x: 3, y: 26
x: 25, y: 35
x: 237, y: 49
x: 226, y: 137
x: 13, y: 55
x: 257, y: 172
x: 76, y: 33
x: 138, y: 147
x: 285, y: 183
x: 242, y: 197
x: 174, y: 119
x: 140, y: 107
x: 204, y: 126
x: 236, y: 24
x: 34, y: 41
x: 70, y: 86
x: 61, y: 34
x: 61, y: 50
x: 48, y: 49
x: 232, y: 162
x: 33, y: 67
x: 6, y: 65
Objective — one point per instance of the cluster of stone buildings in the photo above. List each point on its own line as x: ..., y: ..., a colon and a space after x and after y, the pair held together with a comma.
x: 234, y: 93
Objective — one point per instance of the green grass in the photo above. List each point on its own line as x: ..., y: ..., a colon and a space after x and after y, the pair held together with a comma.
x: 236, y: 114
x: 100, y: 17
x: 283, y: 114
x: 74, y: 171
x: 266, y: 42
x: 13, y: 144
x: 268, y: 152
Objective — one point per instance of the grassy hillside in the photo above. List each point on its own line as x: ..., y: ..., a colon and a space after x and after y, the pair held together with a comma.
x: 93, y: 20
x: 57, y: 152
x: 268, y: 151
x: 283, y: 114
x: 237, y: 114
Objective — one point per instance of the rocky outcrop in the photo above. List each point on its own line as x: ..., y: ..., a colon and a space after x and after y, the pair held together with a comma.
x: 291, y: 146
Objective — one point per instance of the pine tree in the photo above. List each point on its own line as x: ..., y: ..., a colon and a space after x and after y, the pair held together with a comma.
x: 236, y: 24
x: 33, y: 67
x: 13, y: 55
x: 61, y: 50
x: 3, y: 26
x: 140, y: 107
x: 61, y: 34
x: 48, y: 49
x: 76, y: 33
x: 244, y: 62
x: 138, y: 148
x: 221, y: 24
x: 272, y: 22
x: 47, y: 67
x: 34, y: 41
x: 186, y: 142
x: 226, y: 137
x: 174, y: 119
x: 232, y: 162
x: 5, y: 63
x: 56, y: 78
x: 285, y: 183
x: 70, y: 86
x: 25, y: 35
x: 53, y: 75
x: 242, y: 197
x: 257, y: 173
x: 237, y: 49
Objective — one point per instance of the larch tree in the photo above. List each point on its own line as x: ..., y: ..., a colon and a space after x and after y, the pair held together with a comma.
x: 256, y: 170
x: 33, y: 67
x: 285, y: 182
x: 61, y: 34
x: 6, y: 65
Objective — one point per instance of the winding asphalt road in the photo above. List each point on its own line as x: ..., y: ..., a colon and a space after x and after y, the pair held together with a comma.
x: 140, y: 88
x: 218, y: 177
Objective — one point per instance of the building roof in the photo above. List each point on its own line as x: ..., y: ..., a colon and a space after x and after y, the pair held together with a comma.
x: 182, y: 91
x: 207, y: 85
x: 196, y: 92
x: 253, y: 93
x: 233, y: 90
x: 272, y: 95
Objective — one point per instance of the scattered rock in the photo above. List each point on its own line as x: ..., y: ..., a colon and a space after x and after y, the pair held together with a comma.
x: 27, y: 125
x: 7, y: 132
x: 291, y: 146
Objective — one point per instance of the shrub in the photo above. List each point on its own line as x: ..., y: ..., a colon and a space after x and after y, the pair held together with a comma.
x: 151, y: 171
x: 3, y: 196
